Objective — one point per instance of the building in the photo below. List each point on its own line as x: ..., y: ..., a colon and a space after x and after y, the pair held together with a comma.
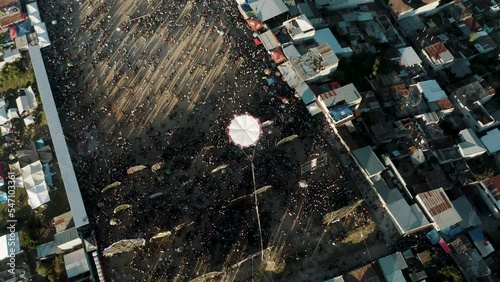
x: 10, y: 13
x: 325, y: 36
x: 347, y: 93
x: 490, y: 193
x: 299, y: 29
x: 470, y: 145
x: 334, y: 5
x: 471, y: 99
x: 309, y: 9
x: 492, y: 141
x: 437, y: 56
x: 310, y: 67
x: 406, y: 218
x: 264, y: 10
x: 401, y: 9
x: 392, y: 265
x: 438, y: 208
x: 8, y: 243
x: 371, y: 164
x: 409, y: 57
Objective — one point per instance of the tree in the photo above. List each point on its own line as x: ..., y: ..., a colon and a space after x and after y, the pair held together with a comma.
x: 46, y: 270
x: 450, y: 273
x: 27, y: 240
x: 483, y: 174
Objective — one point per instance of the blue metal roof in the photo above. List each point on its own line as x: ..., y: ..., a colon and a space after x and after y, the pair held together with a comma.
x: 340, y: 111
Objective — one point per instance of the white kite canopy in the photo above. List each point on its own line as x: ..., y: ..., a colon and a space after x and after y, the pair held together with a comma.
x: 244, y: 130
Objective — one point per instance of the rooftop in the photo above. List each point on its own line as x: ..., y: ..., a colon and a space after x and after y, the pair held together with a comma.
x: 267, y: 9
x: 298, y: 26
x: 370, y: 272
x: 409, y: 57
x: 493, y: 184
x: 347, y: 93
x: 12, y: 18
x: 470, y: 144
x: 491, y: 141
x: 431, y: 90
x: 368, y: 160
x: 472, y: 92
x: 436, y: 178
x: 439, y: 207
x: 401, y: 6
x: 438, y: 53
x: 444, y: 104
x: 392, y: 265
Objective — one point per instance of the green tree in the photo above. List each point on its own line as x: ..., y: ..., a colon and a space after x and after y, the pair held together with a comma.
x: 46, y: 270
x: 27, y: 240
x: 483, y: 173
x: 450, y: 273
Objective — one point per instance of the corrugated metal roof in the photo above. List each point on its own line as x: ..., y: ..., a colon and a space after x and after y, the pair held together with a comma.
x: 368, y: 160
x: 57, y: 135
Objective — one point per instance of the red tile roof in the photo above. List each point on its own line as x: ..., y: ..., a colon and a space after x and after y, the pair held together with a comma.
x: 435, y: 49
x: 435, y: 201
x: 471, y: 23
x: 444, y: 104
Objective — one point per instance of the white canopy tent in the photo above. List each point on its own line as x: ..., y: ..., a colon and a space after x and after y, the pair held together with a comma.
x: 5, y: 128
x: 30, y: 95
x: 12, y: 113
x: 22, y: 104
x: 29, y: 120
x: 38, y: 195
x: 33, y: 174
x: 3, y: 116
x: 244, y: 130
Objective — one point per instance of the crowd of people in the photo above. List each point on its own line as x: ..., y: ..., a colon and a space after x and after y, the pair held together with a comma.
x: 159, y: 80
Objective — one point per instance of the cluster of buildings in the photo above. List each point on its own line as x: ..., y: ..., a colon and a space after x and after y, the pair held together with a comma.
x: 425, y: 135
x: 34, y: 166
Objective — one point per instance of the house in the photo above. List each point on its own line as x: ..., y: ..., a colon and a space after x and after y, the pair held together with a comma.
x: 401, y: 9
x: 467, y: 213
x: 299, y: 29
x: 437, y: 56
x: 407, y: 219
x: 9, y: 245
x: 392, y: 265
x: 439, y: 209
x: 481, y: 242
x: 347, y: 93
x: 490, y: 193
x: 333, y: 5
x: 468, y: 259
x: 67, y: 239
x: 470, y: 145
x: 369, y: 162
x: 265, y: 9
x: 325, y: 36
x: 75, y: 263
x: 432, y: 93
x: 10, y: 13
x: 492, y: 141
x: 309, y: 9
x: 369, y: 272
x: 313, y: 66
x: 409, y: 57
x: 471, y: 99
